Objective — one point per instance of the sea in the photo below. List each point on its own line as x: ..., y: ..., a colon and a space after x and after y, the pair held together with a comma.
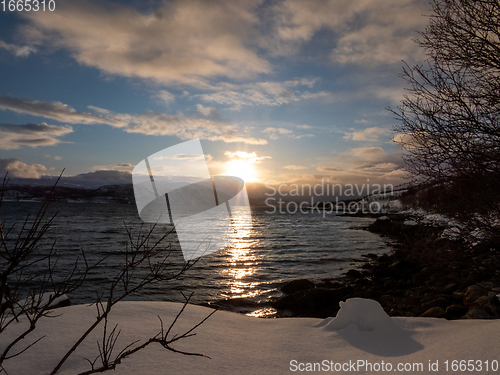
x: 244, y: 277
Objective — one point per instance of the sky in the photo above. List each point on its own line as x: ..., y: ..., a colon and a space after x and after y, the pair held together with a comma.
x: 287, y: 91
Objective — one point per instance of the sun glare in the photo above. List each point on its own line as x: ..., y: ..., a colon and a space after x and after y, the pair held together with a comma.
x: 243, y: 169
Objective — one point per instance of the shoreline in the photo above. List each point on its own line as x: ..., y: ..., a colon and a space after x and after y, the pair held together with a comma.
x: 423, y: 276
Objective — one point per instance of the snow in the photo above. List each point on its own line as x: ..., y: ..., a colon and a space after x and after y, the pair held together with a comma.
x: 239, y: 344
x: 365, y: 314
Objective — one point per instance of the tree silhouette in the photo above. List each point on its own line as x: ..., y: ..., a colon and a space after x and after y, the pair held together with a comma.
x: 449, y: 123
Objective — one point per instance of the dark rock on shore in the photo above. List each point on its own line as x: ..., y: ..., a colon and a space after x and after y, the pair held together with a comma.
x: 295, y: 286
x: 317, y: 302
x: 434, y: 312
x: 420, y: 277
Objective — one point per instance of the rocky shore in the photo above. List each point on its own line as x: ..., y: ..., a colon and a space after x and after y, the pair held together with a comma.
x: 425, y: 275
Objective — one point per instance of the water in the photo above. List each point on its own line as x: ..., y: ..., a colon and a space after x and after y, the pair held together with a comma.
x: 278, y: 248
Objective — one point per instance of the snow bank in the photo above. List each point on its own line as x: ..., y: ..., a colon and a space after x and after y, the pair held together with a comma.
x: 238, y: 344
x: 366, y: 314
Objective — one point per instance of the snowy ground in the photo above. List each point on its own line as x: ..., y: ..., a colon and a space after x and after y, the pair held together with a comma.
x: 239, y: 344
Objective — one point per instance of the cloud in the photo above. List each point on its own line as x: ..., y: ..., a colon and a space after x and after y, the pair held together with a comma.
x: 365, y: 162
x: 329, y: 169
x: 251, y: 157
x: 266, y: 93
x: 19, y: 51
x: 209, y: 112
x: 366, y: 158
x: 165, y: 96
x: 32, y: 135
x: 275, y: 133
x: 183, y: 41
x: 149, y: 123
x: 242, y: 164
x: 294, y: 167
x: 406, y: 141
x: 367, y: 135
x: 183, y: 127
x: 54, y: 110
x: 235, y: 139
x: 365, y: 32
x: 114, y: 167
x: 191, y: 157
x: 204, y: 110
x: 16, y: 168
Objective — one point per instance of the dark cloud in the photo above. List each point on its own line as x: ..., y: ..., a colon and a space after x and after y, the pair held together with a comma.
x: 33, y: 135
x: 54, y: 110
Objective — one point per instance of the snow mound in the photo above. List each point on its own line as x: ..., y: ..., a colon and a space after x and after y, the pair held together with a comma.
x: 363, y: 324
x: 366, y: 314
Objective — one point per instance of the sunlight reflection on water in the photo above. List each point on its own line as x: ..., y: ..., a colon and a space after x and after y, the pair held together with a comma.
x: 272, y: 250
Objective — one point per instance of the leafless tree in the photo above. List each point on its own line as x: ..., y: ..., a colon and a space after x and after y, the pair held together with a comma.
x: 449, y: 123
x: 29, y: 286
x: 24, y: 264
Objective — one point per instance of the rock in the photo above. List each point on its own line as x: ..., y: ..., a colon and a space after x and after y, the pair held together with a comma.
x: 430, y: 295
x: 354, y: 274
x: 477, y: 314
x: 436, y: 302
x: 456, y: 311
x: 490, y: 303
x: 486, y: 285
x: 381, y: 226
x: 316, y: 302
x: 295, y: 286
x: 410, y: 222
x: 472, y: 293
x: 434, y: 312
x: 386, y: 298
x: 450, y: 288
x: 442, y: 302
x: 328, y: 283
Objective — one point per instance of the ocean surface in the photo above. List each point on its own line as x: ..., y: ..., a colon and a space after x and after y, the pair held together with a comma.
x: 278, y: 248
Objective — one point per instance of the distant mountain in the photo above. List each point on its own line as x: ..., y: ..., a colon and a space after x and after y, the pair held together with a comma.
x: 123, y: 193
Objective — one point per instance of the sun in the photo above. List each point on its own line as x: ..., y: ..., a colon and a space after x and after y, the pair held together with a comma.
x: 243, y: 169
